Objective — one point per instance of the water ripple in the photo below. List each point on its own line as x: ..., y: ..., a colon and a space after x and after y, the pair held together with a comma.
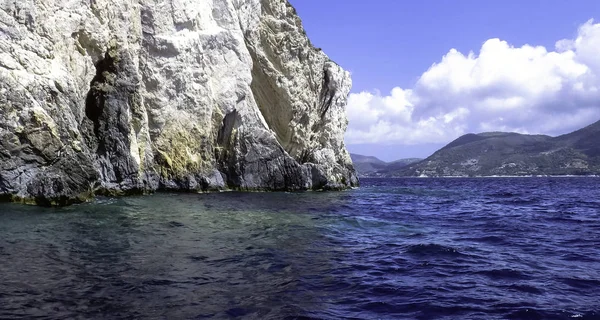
x: 504, y: 248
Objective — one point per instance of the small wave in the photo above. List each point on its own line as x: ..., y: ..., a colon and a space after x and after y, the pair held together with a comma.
x: 159, y: 282
x: 504, y: 194
x: 487, y: 239
x: 527, y: 313
x: 105, y: 201
x: 379, y: 307
x: 432, y: 249
x: 238, y: 312
x: 520, y: 202
x: 577, y: 257
x: 586, y: 316
x: 175, y: 224
x: 502, y: 274
x: 385, y: 290
x: 533, y: 313
x: 198, y: 258
x: 580, y: 283
x: 524, y: 201
x: 525, y: 288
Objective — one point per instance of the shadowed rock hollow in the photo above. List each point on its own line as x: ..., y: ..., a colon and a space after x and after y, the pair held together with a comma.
x: 119, y: 97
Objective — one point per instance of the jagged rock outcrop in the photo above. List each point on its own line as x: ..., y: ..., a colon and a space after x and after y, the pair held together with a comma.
x: 124, y: 96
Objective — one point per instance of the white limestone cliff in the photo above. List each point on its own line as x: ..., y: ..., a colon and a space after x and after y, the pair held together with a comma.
x: 124, y: 96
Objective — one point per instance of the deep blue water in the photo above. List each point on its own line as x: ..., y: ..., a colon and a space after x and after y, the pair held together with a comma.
x: 487, y: 248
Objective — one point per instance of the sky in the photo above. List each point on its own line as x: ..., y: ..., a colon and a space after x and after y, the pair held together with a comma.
x: 426, y: 72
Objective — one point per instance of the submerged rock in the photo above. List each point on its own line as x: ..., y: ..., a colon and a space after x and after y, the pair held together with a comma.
x: 132, y: 96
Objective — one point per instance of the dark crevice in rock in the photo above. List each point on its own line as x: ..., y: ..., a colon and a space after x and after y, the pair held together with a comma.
x: 96, y: 97
x: 229, y: 122
x: 306, y: 156
x: 111, y: 104
x: 327, y: 94
x: 225, y: 154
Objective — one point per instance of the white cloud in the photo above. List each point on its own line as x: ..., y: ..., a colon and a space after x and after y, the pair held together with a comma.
x: 504, y: 88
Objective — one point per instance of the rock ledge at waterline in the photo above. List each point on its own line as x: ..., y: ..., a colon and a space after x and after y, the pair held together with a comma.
x: 132, y: 96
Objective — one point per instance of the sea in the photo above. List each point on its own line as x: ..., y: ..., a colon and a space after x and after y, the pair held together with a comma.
x: 410, y: 248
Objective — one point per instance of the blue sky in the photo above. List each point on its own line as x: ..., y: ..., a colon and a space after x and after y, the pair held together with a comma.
x: 515, y: 66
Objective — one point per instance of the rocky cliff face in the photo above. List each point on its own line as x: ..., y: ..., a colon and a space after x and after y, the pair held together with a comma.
x: 131, y: 96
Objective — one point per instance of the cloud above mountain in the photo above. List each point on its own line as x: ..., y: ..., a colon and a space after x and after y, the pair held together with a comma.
x: 526, y: 89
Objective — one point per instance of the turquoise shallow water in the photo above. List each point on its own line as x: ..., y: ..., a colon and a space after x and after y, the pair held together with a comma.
x: 516, y: 248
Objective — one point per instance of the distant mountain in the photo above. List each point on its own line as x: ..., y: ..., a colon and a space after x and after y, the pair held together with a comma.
x: 514, y: 154
x: 369, y: 166
x: 393, y: 168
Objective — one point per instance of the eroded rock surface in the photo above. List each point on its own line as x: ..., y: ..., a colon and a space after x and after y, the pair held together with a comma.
x: 132, y: 96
